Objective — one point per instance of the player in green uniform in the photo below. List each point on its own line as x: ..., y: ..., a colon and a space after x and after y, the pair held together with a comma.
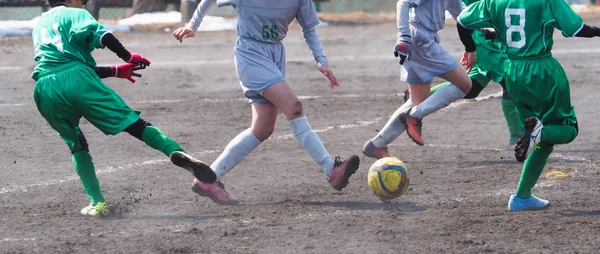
x: 68, y: 87
x: 534, y: 79
x: 489, y: 67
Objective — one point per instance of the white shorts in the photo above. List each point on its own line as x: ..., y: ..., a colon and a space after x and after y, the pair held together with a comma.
x: 258, y: 66
x: 427, y: 59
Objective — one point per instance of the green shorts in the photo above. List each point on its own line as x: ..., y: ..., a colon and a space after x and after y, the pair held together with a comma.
x: 75, y: 91
x: 540, y: 88
x: 490, y: 60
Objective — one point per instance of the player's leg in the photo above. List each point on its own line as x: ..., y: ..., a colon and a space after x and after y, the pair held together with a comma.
x: 515, y: 127
x: 103, y: 108
x: 338, y: 171
x: 376, y: 147
x: 479, y: 82
x: 461, y: 84
x: 54, y: 107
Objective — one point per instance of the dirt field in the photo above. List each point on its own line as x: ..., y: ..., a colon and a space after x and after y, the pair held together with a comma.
x: 460, y: 181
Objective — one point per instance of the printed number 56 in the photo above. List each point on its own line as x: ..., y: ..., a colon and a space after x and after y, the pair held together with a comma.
x: 269, y: 32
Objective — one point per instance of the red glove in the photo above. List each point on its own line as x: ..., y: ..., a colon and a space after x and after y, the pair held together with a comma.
x: 136, y: 58
x: 126, y: 71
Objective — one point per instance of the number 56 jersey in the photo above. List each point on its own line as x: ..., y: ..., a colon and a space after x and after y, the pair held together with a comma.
x: 64, y: 36
x: 524, y: 26
x: 268, y: 20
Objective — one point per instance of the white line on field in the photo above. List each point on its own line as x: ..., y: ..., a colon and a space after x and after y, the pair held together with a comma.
x: 302, y: 97
x: 184, y: 63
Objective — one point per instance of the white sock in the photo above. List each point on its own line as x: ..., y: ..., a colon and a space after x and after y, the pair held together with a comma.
x: 393, y: 128
x: 311, y: 143
x: 438, y: 100
x: 234, y: 152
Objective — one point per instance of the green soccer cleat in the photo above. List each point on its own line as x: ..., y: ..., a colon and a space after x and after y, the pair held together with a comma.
x: 98, y: 210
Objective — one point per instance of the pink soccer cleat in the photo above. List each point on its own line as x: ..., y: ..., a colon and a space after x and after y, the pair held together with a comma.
x: 342, y: 170
x: 215, y: 191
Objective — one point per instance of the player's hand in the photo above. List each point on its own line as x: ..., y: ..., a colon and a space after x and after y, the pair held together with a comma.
x: 137, y: 59
x: 469, y: 59
x: 402, y: 49
x: 329, y: 74
x: 126, y: 71
x: 183, y: 32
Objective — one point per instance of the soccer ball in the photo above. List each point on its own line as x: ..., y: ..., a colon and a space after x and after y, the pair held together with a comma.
x: 388, y: 178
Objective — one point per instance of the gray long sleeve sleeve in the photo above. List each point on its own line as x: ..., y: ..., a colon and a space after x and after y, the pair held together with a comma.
x: 314, y: 44
x: 201, y: 11
x: 402, y: 18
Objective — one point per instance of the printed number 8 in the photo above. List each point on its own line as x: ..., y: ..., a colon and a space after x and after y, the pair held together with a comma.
x: 269, y: 32
x: 515, y: 28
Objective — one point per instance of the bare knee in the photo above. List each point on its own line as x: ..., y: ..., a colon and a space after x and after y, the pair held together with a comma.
x: 263, y: 132
x: 295, y: 110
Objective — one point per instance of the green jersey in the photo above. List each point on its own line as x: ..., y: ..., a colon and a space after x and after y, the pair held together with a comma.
x: 65, y: 35
x: 525, y: 27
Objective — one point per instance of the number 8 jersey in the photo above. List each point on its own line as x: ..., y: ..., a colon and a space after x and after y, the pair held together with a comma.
x: 525, y: 27
x: 63, y: 36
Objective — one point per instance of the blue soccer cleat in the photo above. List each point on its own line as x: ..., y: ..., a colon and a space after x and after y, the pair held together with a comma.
x: 516, y: 204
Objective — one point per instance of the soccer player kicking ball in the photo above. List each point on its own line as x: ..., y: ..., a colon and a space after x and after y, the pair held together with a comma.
x: 260, y: 64
x: 534, y: 79
x: 423, y: 58
x: 68, y: 87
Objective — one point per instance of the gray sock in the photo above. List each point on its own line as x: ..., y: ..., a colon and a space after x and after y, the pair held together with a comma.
x: 311, y: 143
x: 393, y: 128
x: 438, y: 100
x: 236, y: 151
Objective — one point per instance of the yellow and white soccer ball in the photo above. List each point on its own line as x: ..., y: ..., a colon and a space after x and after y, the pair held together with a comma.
x: 388, y: 178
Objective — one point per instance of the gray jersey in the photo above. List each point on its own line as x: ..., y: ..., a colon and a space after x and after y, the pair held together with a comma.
x: 265, y: 20
x: 268, y: 20
x: 428, y: 14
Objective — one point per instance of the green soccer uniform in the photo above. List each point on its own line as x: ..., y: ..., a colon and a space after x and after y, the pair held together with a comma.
x: 535, y: 80
x: 67, y: 88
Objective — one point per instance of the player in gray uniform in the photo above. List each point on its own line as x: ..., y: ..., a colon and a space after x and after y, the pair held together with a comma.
x: 260, y: 65
x: 422, y: 58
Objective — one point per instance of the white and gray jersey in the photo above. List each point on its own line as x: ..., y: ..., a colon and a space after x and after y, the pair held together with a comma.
x: 268, y: 20
x: 428, y: 14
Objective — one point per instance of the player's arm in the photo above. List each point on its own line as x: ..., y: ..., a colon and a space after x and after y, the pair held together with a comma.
x: 189, y: 30
x: 404, y: 39
x: 125, y: 71
x: 588, y: 31
x: 308, y: 20
x: 112, y: 43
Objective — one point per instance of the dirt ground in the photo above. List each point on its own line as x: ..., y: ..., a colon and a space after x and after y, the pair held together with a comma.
x: 460, y: 180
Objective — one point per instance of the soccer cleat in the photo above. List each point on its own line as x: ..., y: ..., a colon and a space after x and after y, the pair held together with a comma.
x: 201, y: 170
x: 342, y: 170
x: 531, y: 137
x: 531, y: 203
x: 98, y: 210
x: 215, y: 191
x: 375, y: 152
x: 413, y: 127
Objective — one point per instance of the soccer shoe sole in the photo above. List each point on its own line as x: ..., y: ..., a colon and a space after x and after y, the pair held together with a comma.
x: 200, y: 192
x: 402, y: 118
x: 531, y: 209
x: 201, y: 170
x: 524, y: 142
x: 353, y: 163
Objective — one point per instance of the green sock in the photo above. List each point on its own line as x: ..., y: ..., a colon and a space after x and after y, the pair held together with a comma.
x: 82, y: 160
x: 558, y: 134
x: 534, y: 165
x: 156, y: 139
x: 515, y: 128
x: 441, y: 85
